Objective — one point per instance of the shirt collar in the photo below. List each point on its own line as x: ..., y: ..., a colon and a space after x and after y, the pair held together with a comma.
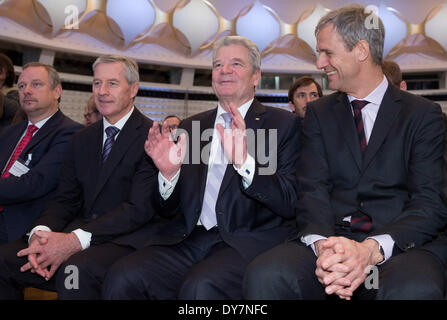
x: 376, y: 96
x: 120, y: 123
x: 243, y: 109
x: 40, y: 123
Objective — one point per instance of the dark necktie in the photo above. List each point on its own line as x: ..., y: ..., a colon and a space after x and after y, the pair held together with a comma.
x: 360, y: 222
x: 357, y: 106
x: 111, y: 132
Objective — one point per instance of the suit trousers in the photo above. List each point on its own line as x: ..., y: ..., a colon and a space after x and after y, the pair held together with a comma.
x: 201, y: 267
x: 288, y: 272
x: 80, y: 277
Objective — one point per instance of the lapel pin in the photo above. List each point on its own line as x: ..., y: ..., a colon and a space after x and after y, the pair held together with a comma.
x: 257, y: 118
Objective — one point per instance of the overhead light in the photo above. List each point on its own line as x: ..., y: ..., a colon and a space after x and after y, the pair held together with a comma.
x: 260, y: 24
x: 131, y: 19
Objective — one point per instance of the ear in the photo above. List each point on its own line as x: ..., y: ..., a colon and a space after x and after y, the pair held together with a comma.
x: 403, y: 85
x: 256, y: 77
x: 57, y: 91
x: 362, y: 50
x: 134, y: 89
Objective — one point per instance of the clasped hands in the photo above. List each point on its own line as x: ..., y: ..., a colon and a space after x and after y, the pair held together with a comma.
x: 47, y: 251
x: 168, y: 156
x: 342, y: 262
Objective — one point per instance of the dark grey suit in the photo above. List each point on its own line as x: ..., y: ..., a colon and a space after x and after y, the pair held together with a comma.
x: 397, y: 184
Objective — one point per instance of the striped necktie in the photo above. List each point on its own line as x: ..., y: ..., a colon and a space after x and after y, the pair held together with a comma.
x: 111, y: 132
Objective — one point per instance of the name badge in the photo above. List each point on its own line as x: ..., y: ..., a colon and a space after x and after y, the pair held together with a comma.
x: 18, y: 168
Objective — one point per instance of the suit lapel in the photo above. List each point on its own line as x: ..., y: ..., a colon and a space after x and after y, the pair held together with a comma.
x: 46, y: 129
x: 124, y: 140
x: 345, y: 120
x: 388, y: 111
x: 13, y: 140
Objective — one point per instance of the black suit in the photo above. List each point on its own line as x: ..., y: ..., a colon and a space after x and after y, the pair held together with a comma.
x: 397, y: 184
x: 249, y: 221
x: 109, y: 200
x: 24, y: 197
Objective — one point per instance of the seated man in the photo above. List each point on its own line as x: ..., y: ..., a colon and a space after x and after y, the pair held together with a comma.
x: 226, y: 207
x: 391, y: 70
x: 91, y: 113
x: 370, y: 177
x: 103, y: 196
x: 304, y: 90
x: 32, y: 151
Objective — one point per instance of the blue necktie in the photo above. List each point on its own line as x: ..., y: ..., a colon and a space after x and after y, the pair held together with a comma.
x: 111, y: 132
x: 215, y: 176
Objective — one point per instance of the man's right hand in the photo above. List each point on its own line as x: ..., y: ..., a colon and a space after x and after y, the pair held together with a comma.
x: 330, y: 269
x: 166, y: 154
x: 32, y: 264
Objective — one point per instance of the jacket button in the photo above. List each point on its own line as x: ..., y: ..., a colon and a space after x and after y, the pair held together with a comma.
x: 361, y: 204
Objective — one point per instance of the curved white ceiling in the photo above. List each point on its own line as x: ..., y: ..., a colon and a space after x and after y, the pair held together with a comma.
x: 181, y: 32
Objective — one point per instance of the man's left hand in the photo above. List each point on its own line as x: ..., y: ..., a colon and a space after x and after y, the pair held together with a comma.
x: 59, y: 247
x: 234, y: 141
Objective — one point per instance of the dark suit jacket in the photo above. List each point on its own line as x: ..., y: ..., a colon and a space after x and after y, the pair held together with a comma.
x: 107, y: 200
x: 398, y: 181
x: 250, y: 220
x: 24, y: 198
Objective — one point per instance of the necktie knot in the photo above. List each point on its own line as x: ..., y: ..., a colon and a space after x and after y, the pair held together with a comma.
x: 31, y: 129
x: 111, y: 131
x: 359, y: 104
x: 227, y: 118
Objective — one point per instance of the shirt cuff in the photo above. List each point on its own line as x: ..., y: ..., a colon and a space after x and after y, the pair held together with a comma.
x: 165, y: 186
x: 310, y: 240
x: 41, y: 228
x: 387, y: 244
x: 247, y: 171
x: 84, y: 238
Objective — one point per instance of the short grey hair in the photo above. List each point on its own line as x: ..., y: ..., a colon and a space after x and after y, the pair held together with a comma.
x: 351, y: 23
x: 254, y: 56
x: 130, y: 66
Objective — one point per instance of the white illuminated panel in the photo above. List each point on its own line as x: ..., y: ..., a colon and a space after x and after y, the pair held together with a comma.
x: 436, y: 27
x: 259, y: 25
x: 63, y: 12
x: 197, y: 22
x: 395, y: 28
x: 306, y: 28
x: 133, y: 17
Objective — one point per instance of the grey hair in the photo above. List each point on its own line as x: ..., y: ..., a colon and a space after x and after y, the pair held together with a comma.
x: 254, y: 56
x: 351, y: 23
x: 53, y: 75
x: 130, y: 66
